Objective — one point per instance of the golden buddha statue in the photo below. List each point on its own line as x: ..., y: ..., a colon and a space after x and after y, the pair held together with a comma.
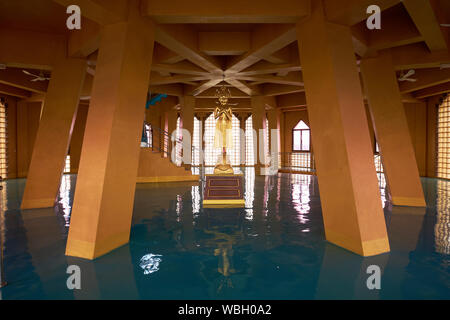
x: 223, y: 137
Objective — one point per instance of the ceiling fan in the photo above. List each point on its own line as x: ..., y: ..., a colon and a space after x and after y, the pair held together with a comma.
x: 40, y: 77
x: 406, y: 77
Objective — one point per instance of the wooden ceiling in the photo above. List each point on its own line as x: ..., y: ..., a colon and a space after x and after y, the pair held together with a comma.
x: 250, y: 46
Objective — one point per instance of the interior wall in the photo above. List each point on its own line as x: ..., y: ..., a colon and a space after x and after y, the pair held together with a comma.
x: 23, y: 122
x: 421, y: 118
x: 28, y: 116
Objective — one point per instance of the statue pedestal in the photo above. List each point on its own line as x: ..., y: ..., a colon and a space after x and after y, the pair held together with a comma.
x: 224, y: 191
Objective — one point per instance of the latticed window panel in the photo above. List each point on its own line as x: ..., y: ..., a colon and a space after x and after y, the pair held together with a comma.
x: 149, y: 134
x: 196, y: 142
x: 211, y: 153
x: 177, y: 145
x: 378, y: 163
x: 67, y: 164
x: 443, y: 149
x: 301, y: 160
x: 3, y: 141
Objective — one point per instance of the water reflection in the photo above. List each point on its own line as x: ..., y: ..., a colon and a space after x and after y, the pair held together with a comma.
x: 301, y: 196
x: 274, y: 248
x: 64, y: 198
x: 150, y: 263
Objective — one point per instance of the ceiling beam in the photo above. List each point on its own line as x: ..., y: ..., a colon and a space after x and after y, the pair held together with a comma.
x: 16, y: 78
x: 251, y: 91
x: 425, y: 78
x: 183, y: 40
x: 350, y: 12
x: 426, y: 21
x: 211, y: 93
x: 264, y: 67
x: 293, y: 79
x: 291, y: 100
x: 266, y: 40
x: 175, y: 89
x: 432, y: 91
x: 13, y: 91
x: 205, y: 86
x: 397, y: 30
x: 156, y: 79
x: 210, y: 104
x: 270, y: 89
x: 83, y: 42
x: 163, y: 55
x: 417, y: 56
x: 183, y: 67
x: 234, y: 11
x: 102, y: 12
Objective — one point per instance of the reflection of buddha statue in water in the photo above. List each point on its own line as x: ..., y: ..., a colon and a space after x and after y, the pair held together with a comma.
x: 223, y: 137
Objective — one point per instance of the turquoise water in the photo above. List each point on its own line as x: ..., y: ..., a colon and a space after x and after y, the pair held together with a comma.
x: 272, y: 249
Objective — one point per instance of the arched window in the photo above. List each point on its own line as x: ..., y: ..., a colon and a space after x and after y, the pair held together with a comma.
x: 301, y: 137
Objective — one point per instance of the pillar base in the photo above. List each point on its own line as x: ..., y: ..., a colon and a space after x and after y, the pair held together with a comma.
x: 93, y: 250
x: 408, y: 202
x: 37, y: 203
x: 363, y: 248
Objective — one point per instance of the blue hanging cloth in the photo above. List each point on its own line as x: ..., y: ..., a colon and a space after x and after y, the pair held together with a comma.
x: 155, y: 99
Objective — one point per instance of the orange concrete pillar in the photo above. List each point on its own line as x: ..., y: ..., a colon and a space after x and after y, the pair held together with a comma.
x: 351, y: 205
x: 258, y: 104
x: 104, y: 197
x: 274, y: 137
x: 53, y: 136
x: 77, y: 137
x: 391, y: 129
x: 187, y: 117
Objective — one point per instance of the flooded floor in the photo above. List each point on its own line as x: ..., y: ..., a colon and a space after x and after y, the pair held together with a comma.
x: 273, y: 249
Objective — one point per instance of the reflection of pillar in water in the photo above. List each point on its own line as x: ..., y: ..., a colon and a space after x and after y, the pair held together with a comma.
x: 343, y: 275
x: 404, y: 226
